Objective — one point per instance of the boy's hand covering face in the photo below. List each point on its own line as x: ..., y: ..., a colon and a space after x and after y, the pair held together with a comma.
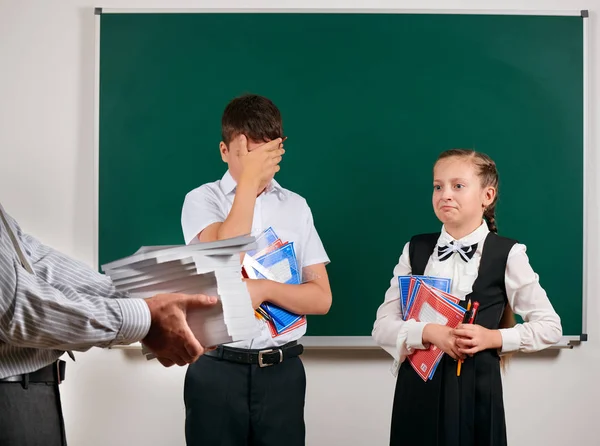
x: 261, y: 162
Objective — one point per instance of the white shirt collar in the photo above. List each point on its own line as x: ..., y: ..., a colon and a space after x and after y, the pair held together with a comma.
x: 474, y: 237
x: 228, y: 185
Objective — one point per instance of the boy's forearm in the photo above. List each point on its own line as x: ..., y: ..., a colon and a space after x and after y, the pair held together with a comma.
x: 307, y: 298
x: 239, y: 220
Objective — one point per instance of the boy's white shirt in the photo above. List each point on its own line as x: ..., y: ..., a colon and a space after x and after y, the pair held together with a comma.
x: 285, y: 211
x: 526, y: 297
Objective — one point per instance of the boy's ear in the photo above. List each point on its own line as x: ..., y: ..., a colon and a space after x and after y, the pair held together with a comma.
x: 224, y: 152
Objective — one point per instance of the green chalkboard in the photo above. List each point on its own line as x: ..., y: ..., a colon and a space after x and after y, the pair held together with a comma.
x: 368, y: 102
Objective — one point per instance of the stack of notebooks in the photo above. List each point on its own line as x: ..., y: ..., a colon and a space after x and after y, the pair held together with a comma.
x: 427, y: 299
x: 202, y: 268
x: 274, y: 259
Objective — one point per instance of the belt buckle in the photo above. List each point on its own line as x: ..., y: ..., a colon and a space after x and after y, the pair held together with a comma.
x: 261, y: 362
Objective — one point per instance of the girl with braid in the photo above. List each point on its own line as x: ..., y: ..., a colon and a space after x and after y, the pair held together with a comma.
x: 465, y: 410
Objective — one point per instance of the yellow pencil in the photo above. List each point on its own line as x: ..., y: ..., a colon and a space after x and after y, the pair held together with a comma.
x: 460, y: 361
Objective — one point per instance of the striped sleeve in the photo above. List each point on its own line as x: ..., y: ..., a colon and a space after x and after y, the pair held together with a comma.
x: 34, y: 314
x: 65, y: 305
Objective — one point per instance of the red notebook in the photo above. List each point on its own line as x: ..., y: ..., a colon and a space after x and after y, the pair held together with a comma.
x: 299, y: 323
x: 429, y: 306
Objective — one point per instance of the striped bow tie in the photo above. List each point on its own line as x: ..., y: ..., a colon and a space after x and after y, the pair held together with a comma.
x: 465, y: 252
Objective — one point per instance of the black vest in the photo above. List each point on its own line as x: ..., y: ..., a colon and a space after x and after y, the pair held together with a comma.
x: 452, y: 410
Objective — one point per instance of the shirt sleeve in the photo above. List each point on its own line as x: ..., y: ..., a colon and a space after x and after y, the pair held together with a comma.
x: 65, y: 305
x: 200, y: 210
x: 541, y: 325
x: 62, y: 271
x: 398, y: 337
x: 313, y: 251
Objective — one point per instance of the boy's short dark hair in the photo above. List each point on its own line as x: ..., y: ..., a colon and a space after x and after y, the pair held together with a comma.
x: 252, y: 115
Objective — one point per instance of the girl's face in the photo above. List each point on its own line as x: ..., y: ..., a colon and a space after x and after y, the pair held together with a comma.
x: 458, y: 196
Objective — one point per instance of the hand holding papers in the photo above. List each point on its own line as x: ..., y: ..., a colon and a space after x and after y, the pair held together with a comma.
x: 211, y: 269
x: 170, y: 339
x: 426, y: 299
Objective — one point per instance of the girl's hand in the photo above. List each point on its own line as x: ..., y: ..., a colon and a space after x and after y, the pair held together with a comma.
x: 443, y: 338
x: 472, y: 338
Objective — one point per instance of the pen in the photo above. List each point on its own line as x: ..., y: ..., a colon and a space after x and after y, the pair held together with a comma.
x: 475, y: 307
x: 263, y: 314
x: 460, y: 361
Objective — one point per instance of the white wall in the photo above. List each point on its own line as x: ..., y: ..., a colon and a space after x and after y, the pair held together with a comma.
x: 116, y: 398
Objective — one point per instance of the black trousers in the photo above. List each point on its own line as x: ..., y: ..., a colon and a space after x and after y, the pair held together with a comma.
x: 231, y: 404
x: 31, y: 416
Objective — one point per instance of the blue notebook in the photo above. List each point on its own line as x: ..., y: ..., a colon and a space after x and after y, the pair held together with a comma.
x: 441, y: 283
x: 283, y: 265
x: 283, y: 319
x: 267, y: 238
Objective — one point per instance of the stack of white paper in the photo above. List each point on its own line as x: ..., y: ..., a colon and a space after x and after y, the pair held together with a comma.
x: 201, y: 268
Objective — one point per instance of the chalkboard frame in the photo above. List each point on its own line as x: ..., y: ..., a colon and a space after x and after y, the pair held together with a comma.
x: 366, y: 341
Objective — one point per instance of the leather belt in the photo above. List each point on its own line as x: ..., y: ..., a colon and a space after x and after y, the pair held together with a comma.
x: 52, y: 373
x: 262, y: 358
